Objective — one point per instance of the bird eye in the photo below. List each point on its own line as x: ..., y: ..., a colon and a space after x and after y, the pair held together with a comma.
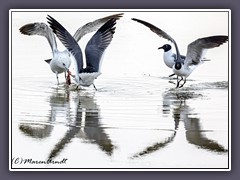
x: 64, y: 64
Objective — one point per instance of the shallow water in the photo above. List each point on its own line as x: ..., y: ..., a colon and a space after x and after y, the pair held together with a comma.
x: 125, y: 124
x: 135, y: 119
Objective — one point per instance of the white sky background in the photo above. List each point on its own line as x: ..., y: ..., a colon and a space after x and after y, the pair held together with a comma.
x: 134, y: 49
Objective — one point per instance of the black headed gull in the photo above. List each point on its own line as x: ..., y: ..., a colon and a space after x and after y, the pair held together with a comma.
x: 94, y: 50
x: 61, y: 61
x: 183, y: 66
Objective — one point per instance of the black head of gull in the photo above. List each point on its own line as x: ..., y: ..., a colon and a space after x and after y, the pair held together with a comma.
x: 166, y: 47
x: 94, y: 50
x: 183, y: 66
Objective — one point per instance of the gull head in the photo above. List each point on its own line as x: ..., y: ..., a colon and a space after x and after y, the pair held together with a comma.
x: 166, y: 47
x: 64, y: 60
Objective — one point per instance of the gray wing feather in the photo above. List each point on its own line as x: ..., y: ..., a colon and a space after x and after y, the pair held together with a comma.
x: 40, y: 29
x: 98, y: 44
x: 68, y: 41
x: 160, y: 33
x: 93, y: 26
x: 155, y: 29
x: 196, y: 49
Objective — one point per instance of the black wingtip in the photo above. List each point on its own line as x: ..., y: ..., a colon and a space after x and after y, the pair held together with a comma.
x: 138, y: 20
x: 217, y: 39
x: 117, y: 16
x: 27, y: 28
x: 222, y: 38
x: 50, y: 19
x: 120, y: 15
x: 109, y: 25
x: 53, y: 23
x: 151, y: 26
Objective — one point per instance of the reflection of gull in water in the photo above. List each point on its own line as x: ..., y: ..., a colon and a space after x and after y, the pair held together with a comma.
x: 83, y: 117
x: 86, y: 126
x: 156, y: 146
x: 182, y: 112
x: 36, y: 131
x: 176, y: 103
x: 59, y: 102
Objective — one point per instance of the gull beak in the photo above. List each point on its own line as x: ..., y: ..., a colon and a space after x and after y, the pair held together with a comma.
x: 160, y: 47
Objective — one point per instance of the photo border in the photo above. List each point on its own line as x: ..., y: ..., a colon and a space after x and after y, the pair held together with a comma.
x: 235, y: 88
x: 122, y: 11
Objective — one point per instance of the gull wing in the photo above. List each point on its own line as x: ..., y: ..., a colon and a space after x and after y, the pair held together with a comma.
x: 93, y: 26
x: 40, y: 29
x: 160, y: 33
x: 197, y: 49
x: 68, y: 41
x: 98, y: 44
x: 155, y: 29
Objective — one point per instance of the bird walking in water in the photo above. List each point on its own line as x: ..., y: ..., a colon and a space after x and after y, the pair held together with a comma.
x: 61, y: 61
x: 94, y: 50
x: 183, y: 66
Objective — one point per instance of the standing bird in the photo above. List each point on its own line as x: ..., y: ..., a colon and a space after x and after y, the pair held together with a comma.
x: 169, y: 57
x: 61, y: 61
x: 183, y: 66
x: 94, y: 50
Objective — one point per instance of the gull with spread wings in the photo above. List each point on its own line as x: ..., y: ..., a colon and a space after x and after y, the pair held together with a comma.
x: 94, y: 50
x: 61, y: 61
x: 183, y: 66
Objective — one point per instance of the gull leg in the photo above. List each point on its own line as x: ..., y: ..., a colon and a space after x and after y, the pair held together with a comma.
x: 179, y: 81
x: 171, y: 75
x: 94, y: 87
x: 57, y: 78
x: 183, y: 82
